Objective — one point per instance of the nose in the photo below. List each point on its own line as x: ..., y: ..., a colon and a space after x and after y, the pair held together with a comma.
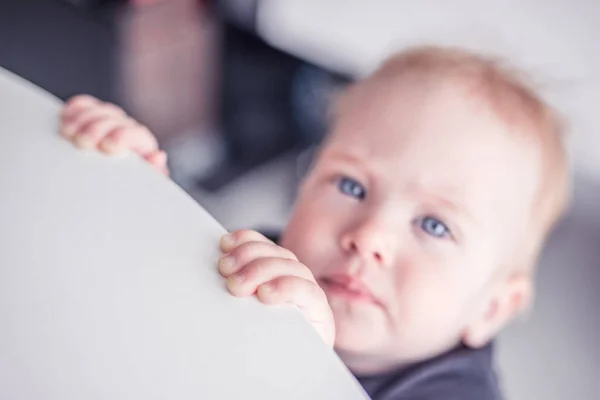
x: 372, y: 240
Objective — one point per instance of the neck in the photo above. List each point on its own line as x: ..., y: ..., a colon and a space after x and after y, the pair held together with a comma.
x: 364, y: 365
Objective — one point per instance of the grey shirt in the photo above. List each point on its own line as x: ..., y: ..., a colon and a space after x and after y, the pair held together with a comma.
x: 461, y: 374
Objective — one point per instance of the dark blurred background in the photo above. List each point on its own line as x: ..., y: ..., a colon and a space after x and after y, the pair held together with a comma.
x: 257, y: 104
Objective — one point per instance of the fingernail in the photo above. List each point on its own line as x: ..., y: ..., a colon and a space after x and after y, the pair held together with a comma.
x: 266, y: 288
x: 82, y: 141
x: 226, y: 262
x: 227, y: 241
x: 68, y: 131
x: 236, y: 279
x: 106, y: 147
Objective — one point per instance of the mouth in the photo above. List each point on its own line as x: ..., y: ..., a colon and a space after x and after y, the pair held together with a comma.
x: 349, y: 288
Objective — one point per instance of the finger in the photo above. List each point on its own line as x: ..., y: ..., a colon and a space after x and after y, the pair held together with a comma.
x: 247, y: 252
x: 80, y: 104
x: 246, y: 281
x: 234, y: 239
x: 95, y: 130
x: 77, y: 122
x: 134, y: 137
x: 77, y: 103
x: 158, y: 160
x: 304, y: 294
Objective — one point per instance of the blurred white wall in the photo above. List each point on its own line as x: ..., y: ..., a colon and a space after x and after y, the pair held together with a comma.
x: 555, y: 354
x: 554, y: 40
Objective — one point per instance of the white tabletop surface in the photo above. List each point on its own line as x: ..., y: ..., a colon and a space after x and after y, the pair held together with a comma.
x: 109, y: 287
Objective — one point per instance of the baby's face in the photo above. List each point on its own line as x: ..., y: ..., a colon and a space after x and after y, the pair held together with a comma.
x: 414, y: 203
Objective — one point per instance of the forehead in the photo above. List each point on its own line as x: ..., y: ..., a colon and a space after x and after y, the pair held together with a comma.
x: 435, y: 135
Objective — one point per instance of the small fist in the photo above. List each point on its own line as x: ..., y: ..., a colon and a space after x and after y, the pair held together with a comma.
x: 253, y: 265
x: 92, y: 124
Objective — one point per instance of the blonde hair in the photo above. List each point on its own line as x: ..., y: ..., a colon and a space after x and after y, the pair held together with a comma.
x: 510, y: 93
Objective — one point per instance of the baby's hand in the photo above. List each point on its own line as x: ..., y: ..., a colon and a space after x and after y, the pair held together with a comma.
x: 253, y: 264
x: 92, y: 124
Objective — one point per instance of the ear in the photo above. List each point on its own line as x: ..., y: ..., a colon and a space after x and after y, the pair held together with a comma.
x: 509, y: 298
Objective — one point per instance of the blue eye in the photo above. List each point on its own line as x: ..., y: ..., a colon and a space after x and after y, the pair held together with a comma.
x: 434, y: 227
x: 352, y: 188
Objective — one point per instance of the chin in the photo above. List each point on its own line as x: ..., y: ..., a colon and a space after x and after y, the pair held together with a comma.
x: 354, y: 344
x: 357, y: 332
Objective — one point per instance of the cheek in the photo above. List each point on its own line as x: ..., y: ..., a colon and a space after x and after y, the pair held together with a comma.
x: 430, y: 297
x: 311, y: 236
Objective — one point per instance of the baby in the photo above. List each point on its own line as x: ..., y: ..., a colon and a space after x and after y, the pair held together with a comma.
x: 415, y: 235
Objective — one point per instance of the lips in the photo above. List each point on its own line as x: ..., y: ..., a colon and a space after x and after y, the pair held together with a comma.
x: 349, y: 288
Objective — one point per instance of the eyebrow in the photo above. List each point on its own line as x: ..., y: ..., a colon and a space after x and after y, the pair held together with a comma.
x: 447, y: 203
x: 344, y: 157
x: 355, y: 162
